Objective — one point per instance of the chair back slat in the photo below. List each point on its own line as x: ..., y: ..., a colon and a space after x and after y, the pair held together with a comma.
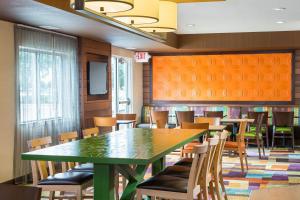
x: 90, y: 132
x: 184, y: 116
x: 161, y: 116
x: 217, y: 162
x: 254, y: 115
x: 218, y: 114
x: 210, y: 120
x: 189, y: 125
x: 40, y: 168
x: 284, y: 119
x: 65, y: 138
x: 200, y: 152
x: 105, y: 121
x: 127, y: 117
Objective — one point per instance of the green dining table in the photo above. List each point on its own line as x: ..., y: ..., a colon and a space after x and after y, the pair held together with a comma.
x: 119, y: 151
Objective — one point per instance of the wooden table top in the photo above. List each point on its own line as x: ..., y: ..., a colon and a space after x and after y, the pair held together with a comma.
x: 128, y: 146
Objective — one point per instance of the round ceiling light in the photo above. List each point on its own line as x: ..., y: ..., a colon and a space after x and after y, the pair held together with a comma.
x: 108, y: 6
x: 167, y: 18
x: 144, y: 12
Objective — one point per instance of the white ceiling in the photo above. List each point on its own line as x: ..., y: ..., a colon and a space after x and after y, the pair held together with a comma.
x: 238, y: 16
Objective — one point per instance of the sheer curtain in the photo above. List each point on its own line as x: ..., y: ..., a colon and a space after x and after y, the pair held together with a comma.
x: 47, y: 93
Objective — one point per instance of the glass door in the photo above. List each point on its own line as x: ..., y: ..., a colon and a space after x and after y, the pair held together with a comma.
x: 121, y: 85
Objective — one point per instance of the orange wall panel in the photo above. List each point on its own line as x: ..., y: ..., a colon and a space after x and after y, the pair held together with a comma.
x: 237, y: 77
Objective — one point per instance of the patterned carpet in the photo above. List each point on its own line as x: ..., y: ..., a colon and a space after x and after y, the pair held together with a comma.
x: 277, y: 169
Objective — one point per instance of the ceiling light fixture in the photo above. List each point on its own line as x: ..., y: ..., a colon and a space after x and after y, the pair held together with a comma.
x: 106, y: 6
x: 191, y: 25
x: 279, y: 9
x: 49, y: 27
x: 280, y: 22
x: 144, y: 12
x: 167, y: 19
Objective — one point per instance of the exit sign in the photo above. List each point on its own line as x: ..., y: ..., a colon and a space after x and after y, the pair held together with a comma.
x: 142, y: 57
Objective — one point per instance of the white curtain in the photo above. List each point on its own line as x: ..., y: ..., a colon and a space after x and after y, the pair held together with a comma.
x: 47, y: 93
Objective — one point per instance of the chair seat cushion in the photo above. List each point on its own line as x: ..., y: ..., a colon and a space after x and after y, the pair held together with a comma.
x: 67, y: 178
x: 283, y: 129
x: 253, y: 129
x: 185, y: 162
x: 177, y: 171
x: 231, y: 145
x: 165, y: 183
x: 252, y: 135
x: 87, y: 167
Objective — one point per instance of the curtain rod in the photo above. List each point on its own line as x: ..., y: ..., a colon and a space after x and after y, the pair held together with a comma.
x: 45, y: 30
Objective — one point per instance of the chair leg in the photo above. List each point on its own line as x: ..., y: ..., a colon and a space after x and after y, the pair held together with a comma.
x: 217, y: 186
x: 258, y: 147
x: 138, y: 195
x: 293, y: 140
x: 267, y: 136
x: 273, y: 138
x: 117, y: 185
x: 246, y: 160
x: 51, y: 195
x: 263, y: 146
x: 79, y: 194
x: 211, y: 190
x: 205, y: 192
x: 241, y: 160
x: 223, y: 185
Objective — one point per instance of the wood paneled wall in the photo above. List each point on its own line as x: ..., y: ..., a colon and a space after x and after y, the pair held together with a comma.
x: 147, y: 81
x: 91, y: 108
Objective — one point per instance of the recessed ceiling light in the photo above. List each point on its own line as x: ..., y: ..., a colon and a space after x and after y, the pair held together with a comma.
x: 191, y: 25
x: 279, y: 9
x: 49, y: 27
x: 280, y: 22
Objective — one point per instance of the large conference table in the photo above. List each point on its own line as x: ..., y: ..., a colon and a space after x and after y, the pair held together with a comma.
x: 118, y: 151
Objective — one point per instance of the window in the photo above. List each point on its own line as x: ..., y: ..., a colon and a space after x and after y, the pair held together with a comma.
x: 121, y: 85
x: 41, y: 84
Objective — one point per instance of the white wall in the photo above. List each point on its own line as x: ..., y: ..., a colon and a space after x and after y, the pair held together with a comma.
x: 7, y: 100
x: 137, y: 75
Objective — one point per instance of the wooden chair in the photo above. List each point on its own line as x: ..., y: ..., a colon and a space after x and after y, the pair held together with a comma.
x: 105, y: 122
x: 90, y: 132
x: 184, y: 116
x: 255, y: 135
x: 127, y: 117
x: 69, y: 137
x: 171, y: 187
x: 239, y: 146
x: 264, y: 127
x: 45, y: 177
x: 16, y: 192
x: 283, y: 127
x: 217, y: 166
x: 218, y: 114
x: 188, y: 149
x: 161, y: 116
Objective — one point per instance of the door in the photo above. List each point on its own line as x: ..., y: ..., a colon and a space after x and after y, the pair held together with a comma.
x: 121, y: 85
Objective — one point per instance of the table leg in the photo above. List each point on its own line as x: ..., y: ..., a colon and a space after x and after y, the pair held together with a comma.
x: 158, y: 166
x: 103, y: 182
x: 134, y: 177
